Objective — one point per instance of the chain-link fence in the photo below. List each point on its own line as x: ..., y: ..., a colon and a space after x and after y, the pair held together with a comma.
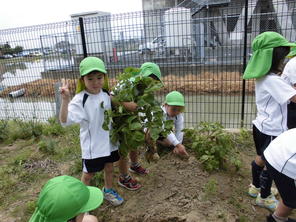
x: 201, y: 49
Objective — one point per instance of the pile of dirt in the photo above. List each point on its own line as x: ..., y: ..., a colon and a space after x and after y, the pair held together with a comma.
x: 180, y: 191
x: 206, y: 83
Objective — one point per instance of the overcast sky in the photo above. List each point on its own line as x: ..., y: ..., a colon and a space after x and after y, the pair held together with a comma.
x: 19, y: 13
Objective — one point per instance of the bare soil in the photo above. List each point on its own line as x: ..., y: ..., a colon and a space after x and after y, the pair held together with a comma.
x: 206, y: 83
x: 175, y: 190
x: 180, y: 191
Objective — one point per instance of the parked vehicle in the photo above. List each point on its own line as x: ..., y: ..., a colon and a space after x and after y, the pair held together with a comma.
x: 177, y: 39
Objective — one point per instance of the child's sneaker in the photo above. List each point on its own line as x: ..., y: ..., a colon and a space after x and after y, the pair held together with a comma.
x: 271, y: 219
x: 138, y: 170
x: 112, y: 196
x: 254, y: 191
x: 269, y: 202
x: 129, y: 183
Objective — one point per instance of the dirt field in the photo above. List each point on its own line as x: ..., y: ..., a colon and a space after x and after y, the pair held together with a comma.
x: 180, y: 191
x: 174, y: 191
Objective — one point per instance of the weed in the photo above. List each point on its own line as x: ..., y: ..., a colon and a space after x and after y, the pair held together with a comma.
x: 3, y: 130
x: 48, y: 146
x: 54, y: 128
x: 210, y: 188
x: 30, y: 207
x: 19, y: 129
x: 213, y: 146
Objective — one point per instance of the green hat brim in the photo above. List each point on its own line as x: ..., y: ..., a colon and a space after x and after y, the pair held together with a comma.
x: 87, y: 71
x: 95, y: 199
x: 175, y: 104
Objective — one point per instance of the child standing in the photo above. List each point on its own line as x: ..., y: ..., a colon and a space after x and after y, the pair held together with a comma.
x: 289, y: 75
x: 173, y: 109
x: 87, y: 109
x: 280, y: 158
x: 272, y: 95
x: 125, y: 180
x: 65, y: 198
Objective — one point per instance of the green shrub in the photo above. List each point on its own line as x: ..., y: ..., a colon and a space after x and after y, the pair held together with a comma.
x: 47, y: 146
x: 212, y: 145
x: 19, y: 129
x: 4, y: 134
x: 53, y: 127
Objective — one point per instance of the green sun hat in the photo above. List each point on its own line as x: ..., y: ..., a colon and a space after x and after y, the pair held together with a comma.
x: 150, y: 68
x: 88, y: 65
x: 261, y: 59
x: 292, y: 52
x: 65, y: 197
x: 175, y: 98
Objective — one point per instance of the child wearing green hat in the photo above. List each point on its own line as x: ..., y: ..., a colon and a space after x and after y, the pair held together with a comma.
x: 87, y: 109
x: 125, y: 180
x: 173, y: 109
x: 280, y: 158
x: 289, y: 75
x: 65, y: 198
x: 272, y: 95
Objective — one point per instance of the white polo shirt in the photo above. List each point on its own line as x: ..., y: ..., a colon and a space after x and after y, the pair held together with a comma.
x: 289, y: 73
x: 281, y: 153
x: 272, y: 95
x: 177, y: 137
x: 85, y: 109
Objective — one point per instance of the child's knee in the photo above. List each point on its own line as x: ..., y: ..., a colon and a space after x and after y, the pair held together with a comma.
x: 89, y: 218
x: 108, y: 167
x: 87, y: 176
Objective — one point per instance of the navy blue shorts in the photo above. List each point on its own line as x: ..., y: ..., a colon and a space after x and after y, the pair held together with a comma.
x: 285, y: 185
x: 98, y: 164
x: 261, y: 140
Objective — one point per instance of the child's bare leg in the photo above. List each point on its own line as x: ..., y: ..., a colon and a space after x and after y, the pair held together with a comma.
x: 134, y: 156
x: 108, y: 175
x: 123, y: 165
x: 125, y: 180
x: 259, y: 161
x: 282, y: 211
x: 86, y: 178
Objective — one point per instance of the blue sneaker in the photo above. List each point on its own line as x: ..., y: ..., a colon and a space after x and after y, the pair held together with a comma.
x: 112, y: 196
x: 269, y: 202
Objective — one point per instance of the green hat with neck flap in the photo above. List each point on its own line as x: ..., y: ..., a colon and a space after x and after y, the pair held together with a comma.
x: 261, y: 59
x: 65, y: 197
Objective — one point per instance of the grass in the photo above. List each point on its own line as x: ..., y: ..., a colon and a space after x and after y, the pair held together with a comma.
x: 31, y: 153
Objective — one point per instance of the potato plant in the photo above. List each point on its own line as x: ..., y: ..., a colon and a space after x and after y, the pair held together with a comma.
x: 130, y: 129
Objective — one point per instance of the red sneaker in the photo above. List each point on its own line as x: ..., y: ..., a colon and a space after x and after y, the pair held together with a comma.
x: 130, y: 183
x: 139, y: 170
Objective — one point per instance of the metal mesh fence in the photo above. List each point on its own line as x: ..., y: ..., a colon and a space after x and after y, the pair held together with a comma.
x: 201, y: 50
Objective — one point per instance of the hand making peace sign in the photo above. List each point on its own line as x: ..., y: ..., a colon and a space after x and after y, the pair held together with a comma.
x: 65, y: 92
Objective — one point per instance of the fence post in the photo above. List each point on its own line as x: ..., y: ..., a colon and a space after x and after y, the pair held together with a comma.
x: 82, y: 33
x: 57, y: 96
x: 244, y: 64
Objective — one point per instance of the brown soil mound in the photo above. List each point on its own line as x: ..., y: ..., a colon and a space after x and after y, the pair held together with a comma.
x: 206, y: 83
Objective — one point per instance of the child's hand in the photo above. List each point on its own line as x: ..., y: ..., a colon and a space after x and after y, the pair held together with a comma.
x: 65, y: 92
x: 181, y: 150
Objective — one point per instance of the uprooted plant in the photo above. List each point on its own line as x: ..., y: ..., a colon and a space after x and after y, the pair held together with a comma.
x: 133, y: 129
